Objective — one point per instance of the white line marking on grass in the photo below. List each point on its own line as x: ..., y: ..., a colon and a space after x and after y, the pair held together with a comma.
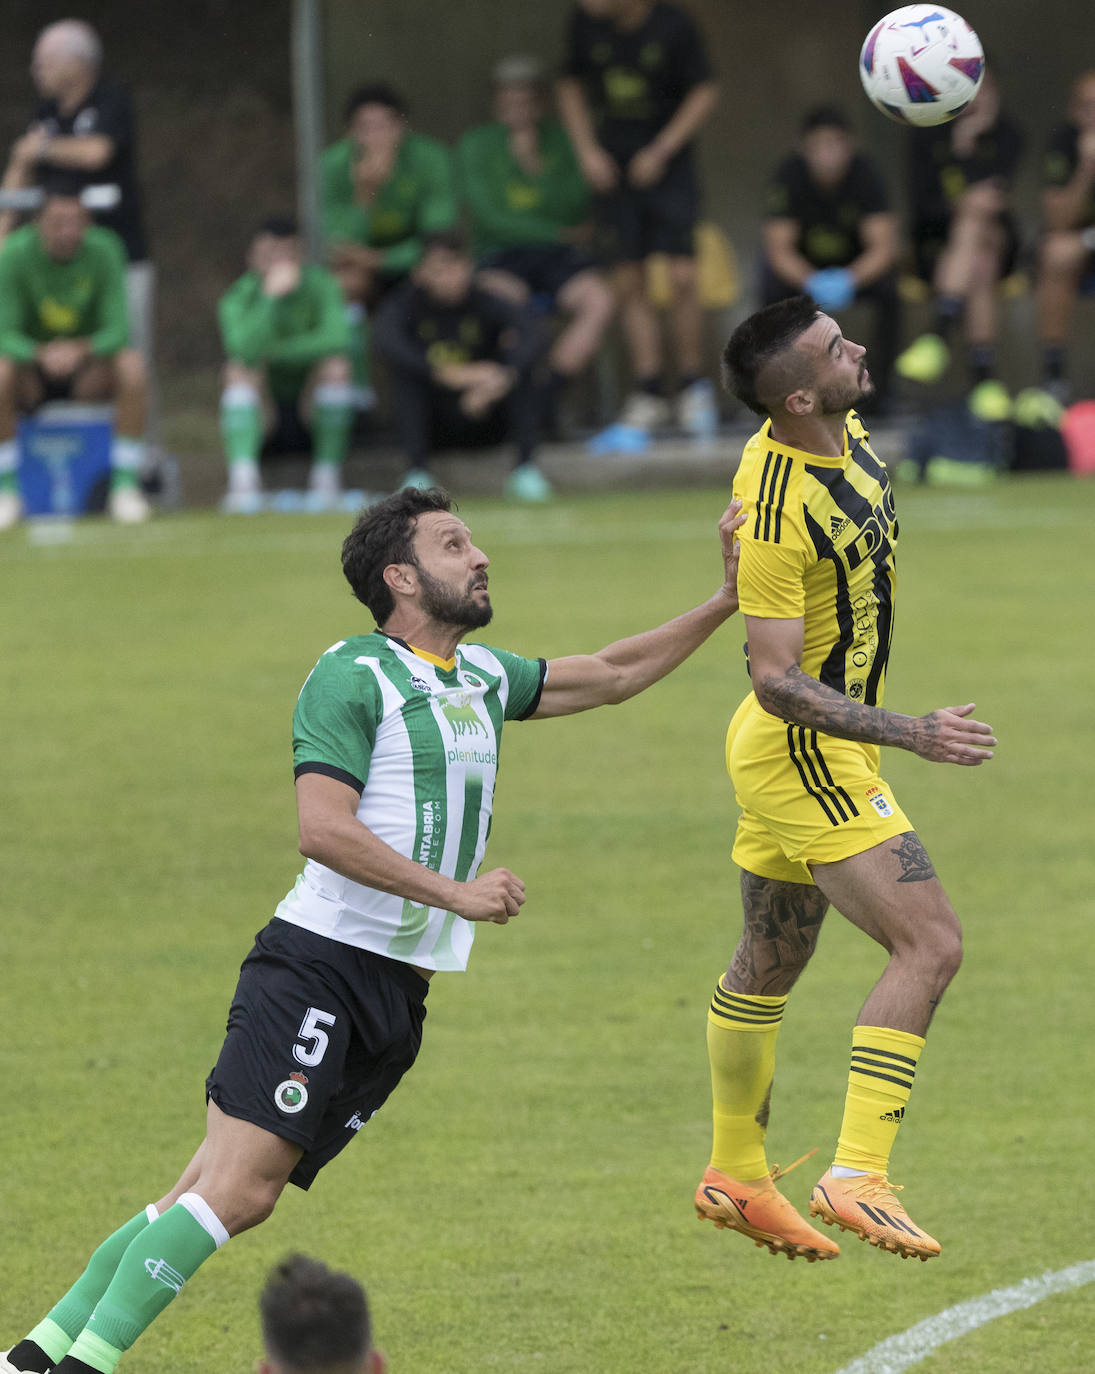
x: 901, y: 1352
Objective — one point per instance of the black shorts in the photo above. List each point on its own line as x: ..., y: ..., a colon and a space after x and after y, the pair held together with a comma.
x: 930, y: 238
x: 319, y: 1033
x: 545, y: 268
x: 632, y: 224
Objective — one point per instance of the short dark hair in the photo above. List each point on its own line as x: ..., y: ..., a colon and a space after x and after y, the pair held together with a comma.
x: 278, y: 227
x: 449, y: 240
x: 374, y: 93
x: 759, y: 340
x: 382, y: 535
x: 824, y: 117
x: 312, y: 1316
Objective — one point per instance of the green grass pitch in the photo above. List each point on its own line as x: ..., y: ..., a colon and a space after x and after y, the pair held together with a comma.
x: 523, y: 1202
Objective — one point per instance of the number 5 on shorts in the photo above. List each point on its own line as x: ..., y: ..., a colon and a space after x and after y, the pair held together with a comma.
x: 311, y: 1029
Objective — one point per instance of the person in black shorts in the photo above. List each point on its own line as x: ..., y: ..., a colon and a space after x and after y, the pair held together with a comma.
x: 1066, y: 253
x: 396, y: 741
x: 636, y: 88
x: 461, y: 361
x: 965, y: 240
x: 829, y: 232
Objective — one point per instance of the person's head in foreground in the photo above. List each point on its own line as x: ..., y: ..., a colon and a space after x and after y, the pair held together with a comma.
x: 791, y: 362
x: 315, y: 1321
x: 411, y: 554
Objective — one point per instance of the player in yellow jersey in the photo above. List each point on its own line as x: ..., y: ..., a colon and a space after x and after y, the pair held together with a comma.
x: 818, y: 824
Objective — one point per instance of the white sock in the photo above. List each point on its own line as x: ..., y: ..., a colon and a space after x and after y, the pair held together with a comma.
x: 127, y: 455
x: 842, y: 1171
x: 9, y: 456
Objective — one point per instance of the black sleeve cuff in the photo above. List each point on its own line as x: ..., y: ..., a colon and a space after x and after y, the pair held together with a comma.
x: 330, y: 771
x: 530, y: 709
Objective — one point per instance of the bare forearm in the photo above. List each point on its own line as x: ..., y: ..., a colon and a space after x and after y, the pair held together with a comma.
x: 644, y: 659
x: 690, y: 116
x: 353, y: 850
x: 85, y: 153
x: 575, y: 114
x: 796, y: 696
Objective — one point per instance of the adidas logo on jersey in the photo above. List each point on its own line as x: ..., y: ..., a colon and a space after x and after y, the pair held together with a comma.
x: 837, y: 526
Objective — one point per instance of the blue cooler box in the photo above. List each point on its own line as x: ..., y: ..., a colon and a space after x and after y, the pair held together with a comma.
x: 64, y: 459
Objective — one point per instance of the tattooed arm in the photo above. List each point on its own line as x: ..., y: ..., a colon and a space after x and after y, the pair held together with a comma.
x: 783, y: 689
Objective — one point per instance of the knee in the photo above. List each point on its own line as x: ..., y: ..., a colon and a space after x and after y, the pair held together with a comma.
x: 682, y: 278
x: 596, y: 302
x: 944, y: 952
x: 334, y: 371
x: 1060, y: 254
x: 237, y: 374
x: 129, y: 370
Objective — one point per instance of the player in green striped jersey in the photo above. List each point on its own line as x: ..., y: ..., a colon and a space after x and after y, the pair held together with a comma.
x: 396, y: 739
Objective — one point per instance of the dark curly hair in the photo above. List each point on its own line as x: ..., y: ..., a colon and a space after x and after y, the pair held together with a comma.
x: 382, y: 535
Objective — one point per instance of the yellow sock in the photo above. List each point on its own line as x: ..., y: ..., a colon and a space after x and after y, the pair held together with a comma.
x: 879, y: 1084
x: 741, y: 1046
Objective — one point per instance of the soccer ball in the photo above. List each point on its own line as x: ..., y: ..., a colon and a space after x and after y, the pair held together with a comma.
x: 921, y: 65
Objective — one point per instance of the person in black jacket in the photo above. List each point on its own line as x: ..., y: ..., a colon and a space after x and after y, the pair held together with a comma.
x: 461, y: 362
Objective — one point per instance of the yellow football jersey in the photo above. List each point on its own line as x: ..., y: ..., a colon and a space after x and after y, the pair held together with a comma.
x: 818, y: 542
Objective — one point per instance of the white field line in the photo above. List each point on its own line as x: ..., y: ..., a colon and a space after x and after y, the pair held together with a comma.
x: 907, y: 1348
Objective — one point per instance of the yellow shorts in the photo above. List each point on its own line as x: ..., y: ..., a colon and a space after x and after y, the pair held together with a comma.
x: 805, y: 798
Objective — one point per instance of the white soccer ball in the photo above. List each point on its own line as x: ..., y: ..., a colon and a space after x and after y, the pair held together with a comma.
x: 921, y: 65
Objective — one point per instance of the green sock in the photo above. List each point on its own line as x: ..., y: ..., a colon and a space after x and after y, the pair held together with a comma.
x: 359, y: 344
x: 68, y: 1317
x: 332, y: 416
x: 153, y: 1269
x: 241, y: 423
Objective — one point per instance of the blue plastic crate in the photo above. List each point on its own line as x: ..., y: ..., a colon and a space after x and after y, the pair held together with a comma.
x: 64, y: 459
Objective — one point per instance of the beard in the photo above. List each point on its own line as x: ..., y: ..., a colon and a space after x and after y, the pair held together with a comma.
x: 835, y: 400
x: 449, y: 607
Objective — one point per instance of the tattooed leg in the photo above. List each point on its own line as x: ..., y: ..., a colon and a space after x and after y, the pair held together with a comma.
x: 892, y: 893
x: 782, y: 923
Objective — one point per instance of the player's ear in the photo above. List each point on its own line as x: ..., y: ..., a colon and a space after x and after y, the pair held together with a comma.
x: 800, y: 402
x: 400, y: 578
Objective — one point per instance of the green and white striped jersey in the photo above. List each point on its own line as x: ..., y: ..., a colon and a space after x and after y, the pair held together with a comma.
x: 419, y: 739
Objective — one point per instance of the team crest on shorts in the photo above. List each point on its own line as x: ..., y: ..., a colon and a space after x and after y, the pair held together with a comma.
x: 291, y: 1096
x: 877, y: 798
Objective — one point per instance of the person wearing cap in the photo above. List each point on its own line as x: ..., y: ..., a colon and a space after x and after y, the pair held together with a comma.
x: 530, y: 217
x: 829, y: 232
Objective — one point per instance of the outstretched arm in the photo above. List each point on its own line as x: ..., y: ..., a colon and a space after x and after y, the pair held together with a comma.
x: 783, y: 689
x: 331, y: 833
x: 629, y: 666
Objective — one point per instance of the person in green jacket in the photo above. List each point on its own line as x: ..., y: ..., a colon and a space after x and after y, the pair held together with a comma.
x: 285, y: 334
x: 382, y: 189
x: 530, y: 215
x: 64, y: 335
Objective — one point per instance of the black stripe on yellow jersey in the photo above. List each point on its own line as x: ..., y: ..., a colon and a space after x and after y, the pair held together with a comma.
x: 819, y: 542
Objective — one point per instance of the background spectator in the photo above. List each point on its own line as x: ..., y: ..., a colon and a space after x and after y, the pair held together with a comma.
x: 965, y: 239
x: 530, y: 209
x: 383, y: 188
x: 315, y: 1321
x: 63, y: 334
x: 829, y: 231
x: 635, y: 91
x: 461, y: 364
x: 1067, y: 250
x: 82, y: 140
x: 284, y: 331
